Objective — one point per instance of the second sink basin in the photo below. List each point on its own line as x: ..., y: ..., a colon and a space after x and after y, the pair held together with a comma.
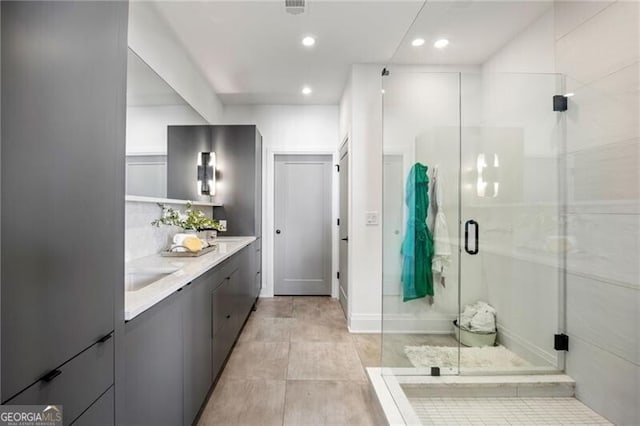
x: 138, y: 279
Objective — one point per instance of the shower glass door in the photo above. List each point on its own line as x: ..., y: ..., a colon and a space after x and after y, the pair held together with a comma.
x: 484, y: 153
x: 513, y: 238
x: 421, y: 133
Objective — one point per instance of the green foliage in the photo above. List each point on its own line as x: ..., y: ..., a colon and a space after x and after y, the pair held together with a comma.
x: 190, y: 219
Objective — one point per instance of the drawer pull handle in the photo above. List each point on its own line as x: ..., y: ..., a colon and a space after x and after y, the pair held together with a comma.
x: 228, y: 316
x: 105, y: 338
x: 51, y: 375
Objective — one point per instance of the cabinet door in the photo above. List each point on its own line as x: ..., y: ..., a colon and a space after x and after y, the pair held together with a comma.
x: 62, y: 143
x: 258, y: 269
x: 197, y: 337
x: 154, y: 366
x: 258, y: 184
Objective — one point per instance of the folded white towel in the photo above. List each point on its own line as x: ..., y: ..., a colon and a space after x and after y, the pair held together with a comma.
x: 478, y: 317
x: 442, y: 246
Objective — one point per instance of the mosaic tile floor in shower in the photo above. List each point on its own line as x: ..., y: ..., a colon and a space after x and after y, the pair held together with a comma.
x: 504, y: 411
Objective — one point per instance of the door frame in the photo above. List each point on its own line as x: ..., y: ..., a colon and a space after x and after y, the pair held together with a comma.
x: 269, y: 213
x: 345, y: 145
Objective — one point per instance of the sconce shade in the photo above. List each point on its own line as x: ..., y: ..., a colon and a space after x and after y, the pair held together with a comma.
x: 207, y: 173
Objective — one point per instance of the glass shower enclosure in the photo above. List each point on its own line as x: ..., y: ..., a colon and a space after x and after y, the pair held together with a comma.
x: 473, y: 233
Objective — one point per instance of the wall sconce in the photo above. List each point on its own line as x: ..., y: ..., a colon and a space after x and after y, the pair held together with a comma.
x: 481, y: 184
x: 207, y: 173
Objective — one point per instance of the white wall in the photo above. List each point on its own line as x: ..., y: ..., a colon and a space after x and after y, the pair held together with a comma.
x: 361, y: 119
x: 147, y: 126
x: 153, y: 40
x: 289, y: 129
x: 597, y: 47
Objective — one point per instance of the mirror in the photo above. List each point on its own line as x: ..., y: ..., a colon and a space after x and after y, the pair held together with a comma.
x: 152, y: 105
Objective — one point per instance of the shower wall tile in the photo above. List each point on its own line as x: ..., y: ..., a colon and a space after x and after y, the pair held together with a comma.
x: 605, y: 382
x: 571, y: 14
x: 524, y: 294
x: 604, y: 111
x: 598, y: 50
x: 605, y: 179
x: 606, y: 315
x: 606, y: 43
x: 606, y: 247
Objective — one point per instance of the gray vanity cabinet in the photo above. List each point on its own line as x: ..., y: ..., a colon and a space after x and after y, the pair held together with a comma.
x: 197, y: 332
x: 175, y: 350
x: 247, y: 281
x: 62, y: 215
x: 225, y: 319
x: 154, y: 365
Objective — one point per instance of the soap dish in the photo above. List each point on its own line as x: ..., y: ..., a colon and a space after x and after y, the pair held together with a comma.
x: 169, y: 253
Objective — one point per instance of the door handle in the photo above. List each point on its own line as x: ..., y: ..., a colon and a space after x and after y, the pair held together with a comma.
x: 51, y: 375
x: 467, y: 224
x: 105, y: 338
x: 345, y: 239
x: 278, y: 231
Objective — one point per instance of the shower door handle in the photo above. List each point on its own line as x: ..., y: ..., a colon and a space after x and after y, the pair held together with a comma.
x: 476, y: 246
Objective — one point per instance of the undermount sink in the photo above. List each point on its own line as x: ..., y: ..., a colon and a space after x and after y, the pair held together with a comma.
x: 138, y: 279
x: 230, y: 239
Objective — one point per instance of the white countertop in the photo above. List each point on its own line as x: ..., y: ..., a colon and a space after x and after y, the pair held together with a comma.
x: 183, y: 271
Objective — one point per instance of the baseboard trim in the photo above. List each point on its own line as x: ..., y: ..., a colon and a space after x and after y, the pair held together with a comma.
x: 398, y: 323
x: 523, y: 347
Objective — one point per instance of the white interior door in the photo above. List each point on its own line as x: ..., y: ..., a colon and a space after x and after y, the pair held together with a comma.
x: 392, y: 215
x: 343, y: 293
x: 302, y: 257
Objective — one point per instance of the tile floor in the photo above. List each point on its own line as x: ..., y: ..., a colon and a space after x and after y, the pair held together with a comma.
x: 504, y: 411
x: 295, y: 363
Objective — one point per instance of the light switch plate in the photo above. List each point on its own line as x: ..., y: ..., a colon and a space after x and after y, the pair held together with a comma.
x: 223, y: 225
x: 372, y: 218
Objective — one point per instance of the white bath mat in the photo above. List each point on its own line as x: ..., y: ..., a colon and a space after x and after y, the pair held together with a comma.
x: 447, y: 356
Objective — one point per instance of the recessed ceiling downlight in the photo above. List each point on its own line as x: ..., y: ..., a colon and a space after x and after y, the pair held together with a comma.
x: 306, y: 90
x: 417, y: 42
x: 441, y: 44
x: 308, y: 41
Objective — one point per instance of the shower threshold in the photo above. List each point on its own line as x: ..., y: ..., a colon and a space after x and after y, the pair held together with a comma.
x: 423, y: 400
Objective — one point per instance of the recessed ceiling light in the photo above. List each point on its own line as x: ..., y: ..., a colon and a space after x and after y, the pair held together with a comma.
x: 441, y: 44
x: 306, y: 90
x: 417, y: 42
x: 308, y: 41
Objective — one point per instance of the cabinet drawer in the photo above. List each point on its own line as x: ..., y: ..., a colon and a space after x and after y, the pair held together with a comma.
x: 78, y: 383
x: 101, y: 412
x: 225, y: 269
x: 222, y: 304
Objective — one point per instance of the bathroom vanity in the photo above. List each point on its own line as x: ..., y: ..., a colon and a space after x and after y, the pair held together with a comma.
x: 181, y: 327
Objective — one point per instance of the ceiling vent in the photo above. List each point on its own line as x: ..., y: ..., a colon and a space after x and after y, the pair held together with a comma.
x: 294, y: 7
